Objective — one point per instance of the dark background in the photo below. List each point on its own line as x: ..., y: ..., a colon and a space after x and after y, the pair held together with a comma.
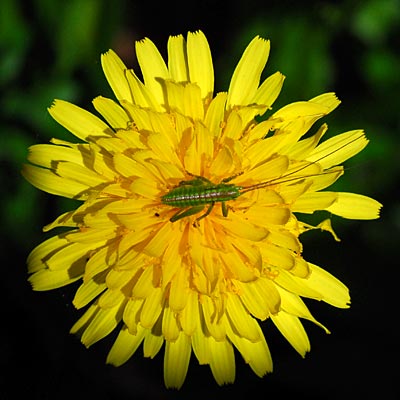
x: 51, y: 49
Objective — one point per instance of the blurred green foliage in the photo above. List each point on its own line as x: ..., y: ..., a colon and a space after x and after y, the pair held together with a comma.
x: 51, y: 49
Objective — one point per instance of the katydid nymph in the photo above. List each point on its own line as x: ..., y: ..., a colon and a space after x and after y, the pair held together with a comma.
x: 194, y: 195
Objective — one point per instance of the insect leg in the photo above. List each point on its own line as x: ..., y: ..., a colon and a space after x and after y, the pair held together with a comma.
x: 199, y: 179
x: 211, y: 206
x: 193, y: 182
x: 186, y: 213
x: 225, y: 209
x: 229, y: 178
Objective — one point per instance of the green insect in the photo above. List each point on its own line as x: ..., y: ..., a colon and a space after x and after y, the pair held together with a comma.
x: 194, y: 195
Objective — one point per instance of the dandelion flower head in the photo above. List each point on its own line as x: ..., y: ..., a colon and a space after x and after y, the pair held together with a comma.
x: 197, y: 277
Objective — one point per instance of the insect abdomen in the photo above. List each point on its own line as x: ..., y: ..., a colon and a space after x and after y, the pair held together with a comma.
x: 184, y: 196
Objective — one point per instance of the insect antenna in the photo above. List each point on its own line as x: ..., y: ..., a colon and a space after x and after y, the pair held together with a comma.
x: 288, y: 178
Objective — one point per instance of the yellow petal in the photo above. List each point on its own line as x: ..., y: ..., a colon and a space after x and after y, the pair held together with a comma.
x: 104, y: 215
x: 257, y: 355
x: 103, y: 322
x: 249, y: 112
x: 78, y: 121
x: 48, y: 280
x: 169, y: 162
x: 291, y: 192
x: 125, y: 346
x: 301, y: 268
x: 270, y: 215
x: 117, y: 279
x: 68, y: 256
x: 176, y: 96
x: 179, y: 289
x: 233, y: 128
x: 297, y: 118
x: 250, y: 253
x: 214, y: 324
x: 299, y: 110
x: 189, y: 317
x: 171, y: 265
x: 297, y: 285
x: 199, y: 150
x: 201, y: 346
x: 260, y: 297
x: 332, y: 291
x: 131, y: 317
x: 211, y: 267
x: 153, y: 67
x: 204, y: 143
x: 159, y: 241
x: 79, y: 174
x: 91, y: 236
x: 160, y: 123
x: 170, y: 328
x: 176, y: 361
x: 183, y: 125
x: 246, y: 77
x: 237, y: 226
x: 111, y: 298
x: 45, y: 155
x: 177, y: 59
x: 112, y: 112
x: 126, y: 166
x: 115, y: 72
x: 302, y: 149
x: 222, y: 361
x: 98, y: 262
x: 328, y: 100
x: 284, y: 238
x: 277, y: 256
x: 152, y: 308
x: 293, y: 304
x: 200, y: 64
x: 222, y: 163
x: 85, y: 319
x: 355, y: 206
x: 326, y: 178
x: 144, y: 286
x: 269, y: 169
x: 48, y: 181
x: 193, y: 106
x: 312, y: 201
x: 215, y: 114
x: 87, y: 292
x: 260, y: 131
x: 142, y: 95
x: 37, y: 257
x: 152, y: 344
x: 269, y: 90
x: 293, y: 331
x: 241, y: 322
x: 338, y: 149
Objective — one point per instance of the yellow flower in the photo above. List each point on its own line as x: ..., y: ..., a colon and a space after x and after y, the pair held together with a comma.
x: 202, y: 282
